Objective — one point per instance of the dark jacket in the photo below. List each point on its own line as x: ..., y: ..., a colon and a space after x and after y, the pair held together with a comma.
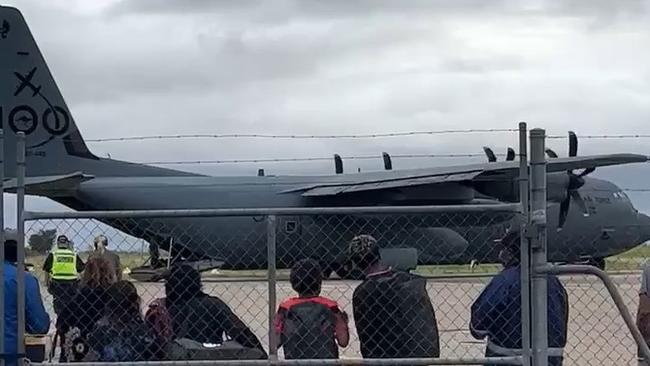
x: 130, y: 341
x: 37, y: 321
x: 206, y: 318
x: 496, y: 314
x: 394, y: 317
x: 78, y: 319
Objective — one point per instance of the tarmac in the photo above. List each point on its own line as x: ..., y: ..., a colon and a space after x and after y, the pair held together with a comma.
x: 597, y: 334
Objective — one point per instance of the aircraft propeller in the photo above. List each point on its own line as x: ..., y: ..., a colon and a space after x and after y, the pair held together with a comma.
x: 574, y: 183
x: 510, y: 155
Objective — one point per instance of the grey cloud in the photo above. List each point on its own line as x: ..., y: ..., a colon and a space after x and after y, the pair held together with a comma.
x: 287, y: 8
x: 602, y: 13
x: 343, y: 67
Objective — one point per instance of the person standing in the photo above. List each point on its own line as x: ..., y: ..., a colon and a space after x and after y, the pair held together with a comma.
x: 101, y: 244
x: 392, y: 309
x: 81, y: 314
x: 37, y: 320
x: 62, y: 267
x: 496, y: 313
x: 310, y: 326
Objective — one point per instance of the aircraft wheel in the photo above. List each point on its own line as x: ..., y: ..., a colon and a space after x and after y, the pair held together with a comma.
x: 349, y: 271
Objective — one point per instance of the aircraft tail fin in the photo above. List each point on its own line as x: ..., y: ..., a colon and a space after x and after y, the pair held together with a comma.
x: 31, y: 102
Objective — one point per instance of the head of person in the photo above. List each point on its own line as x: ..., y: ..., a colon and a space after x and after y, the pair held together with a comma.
x: 11, y: 246
x: 182, y: 283
x: 306, y: 277
x: 122, y: 302
x: 364, y: 251
x: 100, y: 242
x: 98, y: 273
x: 63, y: 242
x: 509, y: 254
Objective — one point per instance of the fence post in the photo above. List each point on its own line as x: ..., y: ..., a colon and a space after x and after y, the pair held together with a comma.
x: 271, y: 242
x: 2, y: 243
x: 525, y: 247
x: 538, y: 247
x: 20, y: 241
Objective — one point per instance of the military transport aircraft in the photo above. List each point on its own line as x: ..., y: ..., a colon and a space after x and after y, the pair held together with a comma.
x: 589, y: 218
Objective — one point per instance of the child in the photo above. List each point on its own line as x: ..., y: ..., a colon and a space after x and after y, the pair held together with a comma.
x: 308, y: 325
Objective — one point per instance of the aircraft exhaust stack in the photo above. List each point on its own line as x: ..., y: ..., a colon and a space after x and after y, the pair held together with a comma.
x: 260, y: 172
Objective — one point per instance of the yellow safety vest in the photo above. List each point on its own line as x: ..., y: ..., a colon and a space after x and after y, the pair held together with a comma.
x: 64, y: 265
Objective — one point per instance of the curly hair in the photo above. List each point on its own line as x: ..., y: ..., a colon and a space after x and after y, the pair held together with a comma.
x: 364, y: 251
x: 99, y: 273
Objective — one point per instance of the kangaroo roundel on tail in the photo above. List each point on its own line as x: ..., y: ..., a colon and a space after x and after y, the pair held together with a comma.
x: 31, y: 102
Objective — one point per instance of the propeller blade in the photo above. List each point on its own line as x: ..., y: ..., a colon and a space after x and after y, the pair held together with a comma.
x: 573, y: 144
x: 490, y: 154
x: 564, y: 210
x: 511, y: 154
x: 338, y: 164
x: 581, y: 203
x: 551, y: 154
x: 388, y: 164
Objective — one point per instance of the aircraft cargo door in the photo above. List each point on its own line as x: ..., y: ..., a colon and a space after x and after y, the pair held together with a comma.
x: 289, y: 244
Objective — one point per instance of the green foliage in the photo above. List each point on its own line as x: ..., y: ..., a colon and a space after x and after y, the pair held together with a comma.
x: 42, y: 241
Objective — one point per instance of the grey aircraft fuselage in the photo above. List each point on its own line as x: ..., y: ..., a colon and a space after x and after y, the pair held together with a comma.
x: 609, y: 226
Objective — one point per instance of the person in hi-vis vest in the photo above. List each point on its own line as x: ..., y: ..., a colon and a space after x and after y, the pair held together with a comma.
x: 62, y: 267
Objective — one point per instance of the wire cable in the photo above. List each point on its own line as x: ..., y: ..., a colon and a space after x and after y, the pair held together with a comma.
x: 283, y: 160
x: 295, y: 136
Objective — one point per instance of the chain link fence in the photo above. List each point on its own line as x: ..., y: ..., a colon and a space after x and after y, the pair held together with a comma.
x: 597, y: 334
x: 456, y: 253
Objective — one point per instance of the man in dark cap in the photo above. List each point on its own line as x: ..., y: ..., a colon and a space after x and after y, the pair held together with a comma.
x: 392, y: 309
x: 496, y: 314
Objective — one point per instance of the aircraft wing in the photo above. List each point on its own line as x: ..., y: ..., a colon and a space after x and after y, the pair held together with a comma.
x: 468, y: 173
x: 49, y: 184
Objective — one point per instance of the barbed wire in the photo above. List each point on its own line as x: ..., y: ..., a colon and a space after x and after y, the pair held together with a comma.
x: 298, y: 136
x: 344, y: 136
x: 598, y: 137
x: 329, y: 158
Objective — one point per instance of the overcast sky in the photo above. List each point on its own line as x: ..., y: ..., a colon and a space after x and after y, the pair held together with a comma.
x: 144, y: 67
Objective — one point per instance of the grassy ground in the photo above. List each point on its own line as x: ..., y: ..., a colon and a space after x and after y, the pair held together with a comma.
x: 628, y: 261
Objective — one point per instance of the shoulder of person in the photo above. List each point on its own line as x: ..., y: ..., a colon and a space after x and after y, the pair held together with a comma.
x: 330, y: 303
